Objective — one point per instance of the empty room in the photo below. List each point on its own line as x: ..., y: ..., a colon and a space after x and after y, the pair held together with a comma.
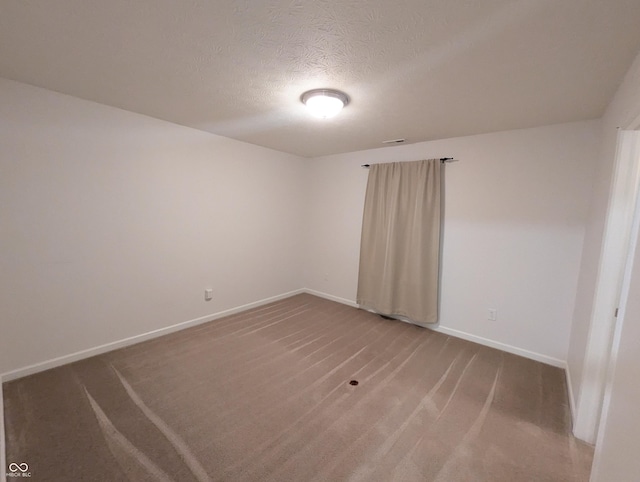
x: 319, y: 240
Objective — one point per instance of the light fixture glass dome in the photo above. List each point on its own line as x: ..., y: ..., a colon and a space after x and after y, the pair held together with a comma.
x: 324, y: 103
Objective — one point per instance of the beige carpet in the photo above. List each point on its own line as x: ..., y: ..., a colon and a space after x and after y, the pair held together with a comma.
x: 265, y: 396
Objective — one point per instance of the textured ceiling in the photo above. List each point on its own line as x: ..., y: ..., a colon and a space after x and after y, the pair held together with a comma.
x: 414, y: 69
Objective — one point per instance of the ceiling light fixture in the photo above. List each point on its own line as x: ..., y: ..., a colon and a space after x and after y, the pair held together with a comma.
x: 324, y: 103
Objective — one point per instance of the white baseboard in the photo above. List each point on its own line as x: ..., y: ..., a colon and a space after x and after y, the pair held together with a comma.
x: 326, y: 296
x: 556, y: 362
x: 465, y: 336
x: 63, y: 360
x: 98, y: 350
x: 572, y: 400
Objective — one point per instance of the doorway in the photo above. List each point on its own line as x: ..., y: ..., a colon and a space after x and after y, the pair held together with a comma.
x: 617, y: 239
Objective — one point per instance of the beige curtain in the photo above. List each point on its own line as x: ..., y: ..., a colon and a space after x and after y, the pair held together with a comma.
x: 400, y: 246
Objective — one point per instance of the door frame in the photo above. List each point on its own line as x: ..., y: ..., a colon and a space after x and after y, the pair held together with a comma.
x: 614, y: 257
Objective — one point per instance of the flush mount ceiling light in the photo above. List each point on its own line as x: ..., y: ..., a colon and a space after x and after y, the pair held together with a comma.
x: 324, y: 103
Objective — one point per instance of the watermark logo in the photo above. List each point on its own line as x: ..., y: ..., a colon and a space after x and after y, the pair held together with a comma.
x: 18, y: 470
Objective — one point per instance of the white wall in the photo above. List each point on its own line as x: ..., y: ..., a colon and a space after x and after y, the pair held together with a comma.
x: 112, y: 224
x: 515, y: 210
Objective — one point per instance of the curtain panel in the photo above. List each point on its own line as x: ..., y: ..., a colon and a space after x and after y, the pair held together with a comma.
x: 400, y: 244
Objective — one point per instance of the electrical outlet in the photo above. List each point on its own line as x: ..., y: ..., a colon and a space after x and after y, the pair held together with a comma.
x: 208, y: 294
x: 493, y: 314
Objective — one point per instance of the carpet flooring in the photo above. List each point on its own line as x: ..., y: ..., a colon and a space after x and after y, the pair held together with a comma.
x: 265, y: 395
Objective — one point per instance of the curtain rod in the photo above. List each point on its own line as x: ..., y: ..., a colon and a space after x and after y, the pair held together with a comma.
x: 442, y: 159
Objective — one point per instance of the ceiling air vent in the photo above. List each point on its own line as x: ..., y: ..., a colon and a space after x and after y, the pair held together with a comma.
x: 394, y: 141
